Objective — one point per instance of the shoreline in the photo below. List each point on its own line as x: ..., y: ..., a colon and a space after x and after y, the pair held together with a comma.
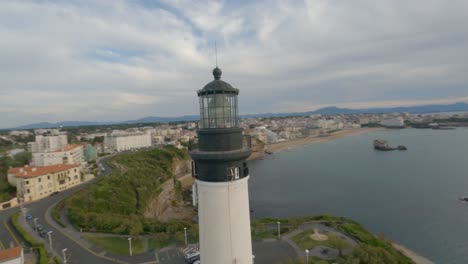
x: 276, y: 147
x: 418, y: 259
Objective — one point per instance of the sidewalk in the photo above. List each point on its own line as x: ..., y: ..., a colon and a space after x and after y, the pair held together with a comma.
x: 76, y: 236
x: 28, y: 227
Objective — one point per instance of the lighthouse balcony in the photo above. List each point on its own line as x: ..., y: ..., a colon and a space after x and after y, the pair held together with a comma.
x: 225, y: 155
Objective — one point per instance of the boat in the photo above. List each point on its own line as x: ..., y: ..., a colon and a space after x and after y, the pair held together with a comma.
x: 463, y: 199
x: 443, y: 128
x: 382, y: 145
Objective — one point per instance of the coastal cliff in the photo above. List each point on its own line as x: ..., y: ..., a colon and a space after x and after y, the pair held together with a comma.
x: 131, y: 199
x: 169, y: 203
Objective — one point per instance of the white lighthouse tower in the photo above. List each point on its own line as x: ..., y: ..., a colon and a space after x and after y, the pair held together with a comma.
x: 222, y: 176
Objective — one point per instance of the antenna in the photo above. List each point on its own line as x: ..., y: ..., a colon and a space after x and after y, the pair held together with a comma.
x: 216, y: 53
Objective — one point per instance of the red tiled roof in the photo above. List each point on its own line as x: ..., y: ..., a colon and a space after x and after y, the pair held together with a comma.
x: 14, y: 170
x: 34, y: 171
x: 68, y: 147
x: 9, y: 254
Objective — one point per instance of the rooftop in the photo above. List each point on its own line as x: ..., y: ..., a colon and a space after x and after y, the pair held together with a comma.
x: 217, y: 85
x: 34, y: 171
x: 68, y: 147
x: 11, y: 253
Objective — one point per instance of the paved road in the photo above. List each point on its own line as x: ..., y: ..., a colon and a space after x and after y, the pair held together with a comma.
x: 265, y: 252
x: 75, y: 253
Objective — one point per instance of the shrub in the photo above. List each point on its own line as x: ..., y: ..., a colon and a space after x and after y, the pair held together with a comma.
x: 56, y: 213
x: 43, y: 259
x: 116, y: 203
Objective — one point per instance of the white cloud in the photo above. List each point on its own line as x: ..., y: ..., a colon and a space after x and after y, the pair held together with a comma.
x: 102, y: 60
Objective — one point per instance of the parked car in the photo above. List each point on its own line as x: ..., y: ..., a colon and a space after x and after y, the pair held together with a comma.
x: 43, y: 233
x: 40, y: 228
x: 191, y: 255
x: 29, y: 217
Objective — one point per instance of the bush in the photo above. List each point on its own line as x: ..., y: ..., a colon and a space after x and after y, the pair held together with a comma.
x: 56, y: 213
x: 116, y: 203
x: 43, y: 259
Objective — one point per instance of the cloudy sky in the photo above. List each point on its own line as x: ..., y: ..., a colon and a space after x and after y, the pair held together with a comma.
x: 118, y: 60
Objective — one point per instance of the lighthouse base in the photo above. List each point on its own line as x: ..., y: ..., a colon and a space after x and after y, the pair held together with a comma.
x: 224, y: 222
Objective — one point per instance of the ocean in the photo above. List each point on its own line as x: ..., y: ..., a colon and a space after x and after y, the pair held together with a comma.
x: 409, y: 196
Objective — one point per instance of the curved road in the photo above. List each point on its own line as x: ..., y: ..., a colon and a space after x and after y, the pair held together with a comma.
x: 75, y: 253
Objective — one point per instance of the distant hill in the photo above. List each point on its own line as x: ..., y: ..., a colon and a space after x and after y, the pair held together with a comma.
x: 62, y: 124
x: 332, y: 110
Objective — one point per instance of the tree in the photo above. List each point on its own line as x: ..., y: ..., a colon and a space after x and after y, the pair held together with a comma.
x: 338, y: 243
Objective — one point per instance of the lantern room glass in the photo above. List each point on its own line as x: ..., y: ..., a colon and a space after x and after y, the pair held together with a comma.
x: 218, y: 111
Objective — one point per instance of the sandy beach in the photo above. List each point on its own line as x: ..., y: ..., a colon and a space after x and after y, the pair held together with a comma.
x: 311, y: 140
x: 412, y: 255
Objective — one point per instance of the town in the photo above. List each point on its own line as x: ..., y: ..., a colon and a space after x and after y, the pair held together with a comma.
x: 62, y: 158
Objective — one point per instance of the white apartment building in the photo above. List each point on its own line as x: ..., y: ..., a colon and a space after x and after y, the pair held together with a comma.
x: 20, y: 133
x: 121, y: 141
x: 47, y: 143
x: 69, y: 154
x: 34, y: 182
x: 49, y: 131
x: 265, y: 135
x: 396, y: 122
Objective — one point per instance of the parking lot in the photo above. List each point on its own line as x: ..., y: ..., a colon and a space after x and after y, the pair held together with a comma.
x: 170, y: 256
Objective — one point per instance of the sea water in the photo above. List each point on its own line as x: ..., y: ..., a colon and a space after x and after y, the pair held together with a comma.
x: 409, y: 196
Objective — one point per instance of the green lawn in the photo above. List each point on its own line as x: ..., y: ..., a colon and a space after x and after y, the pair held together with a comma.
x: 161, y: 240
x: 116, y: 245
x: 260, y: 232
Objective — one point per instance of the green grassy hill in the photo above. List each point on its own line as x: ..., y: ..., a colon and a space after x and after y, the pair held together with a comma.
x: 116, y: 203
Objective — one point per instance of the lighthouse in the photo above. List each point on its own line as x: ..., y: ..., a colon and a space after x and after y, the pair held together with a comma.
x: 221, y: 177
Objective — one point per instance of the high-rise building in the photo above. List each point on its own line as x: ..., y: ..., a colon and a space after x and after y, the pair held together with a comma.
x: 222, y: 175
x: 69, y: 154
x: 47, y: 143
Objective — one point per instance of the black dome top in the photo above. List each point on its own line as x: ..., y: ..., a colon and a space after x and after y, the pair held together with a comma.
x: 217, y: 73
x: 217, y: 86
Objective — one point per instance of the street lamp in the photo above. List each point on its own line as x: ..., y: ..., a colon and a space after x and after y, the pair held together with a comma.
x: 185, y: 235
x: 24, y: 210
x: 307, y: 256
x: 35, y: 223
x: 279, y: 230
x: 21, y: 204
x: 130, y: 245
x: 49, y: 234
x: 64, y: 256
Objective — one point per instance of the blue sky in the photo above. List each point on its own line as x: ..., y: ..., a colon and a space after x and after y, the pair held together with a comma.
x: 119, y: 60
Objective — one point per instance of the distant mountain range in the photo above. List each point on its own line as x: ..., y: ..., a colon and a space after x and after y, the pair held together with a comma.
x: 456, y: 107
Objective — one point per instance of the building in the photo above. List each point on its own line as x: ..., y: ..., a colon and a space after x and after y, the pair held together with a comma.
x: 397, y: 122
x: 265, y: 135
x: 121, y: 141
x: 69, y: 154
x: 20, y: 133
x: 90, y: 153
x: 47, y: 131
x: 35, y: 182
x: 12, y: 256
x: 221, y: 177
x: 47, y: 143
